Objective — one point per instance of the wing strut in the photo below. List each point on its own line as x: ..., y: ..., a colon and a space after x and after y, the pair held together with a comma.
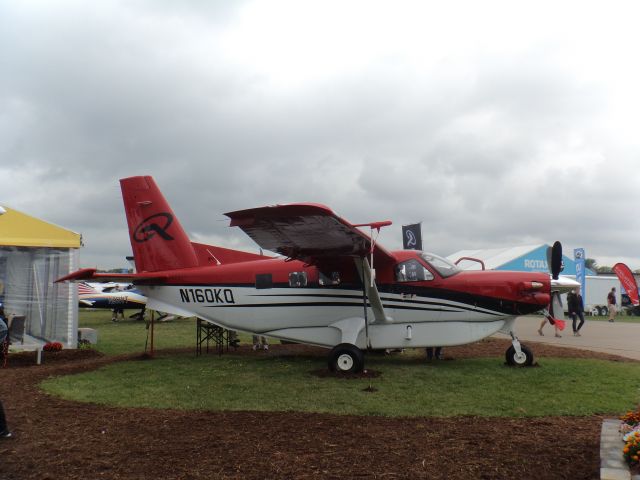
x: 368, y: 276
x: 371, y: 292
x: 364, y: 302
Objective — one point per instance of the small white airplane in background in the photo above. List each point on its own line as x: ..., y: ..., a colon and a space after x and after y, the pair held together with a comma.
x: 112, y: 296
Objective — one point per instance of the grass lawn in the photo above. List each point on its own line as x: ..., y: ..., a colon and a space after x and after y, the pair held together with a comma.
x: 407, y: 386
x: 131, y: 335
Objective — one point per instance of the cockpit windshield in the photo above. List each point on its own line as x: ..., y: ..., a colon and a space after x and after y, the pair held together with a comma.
x: 444, y: 267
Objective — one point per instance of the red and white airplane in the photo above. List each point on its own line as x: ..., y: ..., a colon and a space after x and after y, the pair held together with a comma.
x: 323, y: 289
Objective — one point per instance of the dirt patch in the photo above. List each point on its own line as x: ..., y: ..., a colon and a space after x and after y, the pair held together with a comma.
x: 58, y: 439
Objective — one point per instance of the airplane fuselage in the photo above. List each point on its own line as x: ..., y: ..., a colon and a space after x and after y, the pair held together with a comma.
x: 289, y: 300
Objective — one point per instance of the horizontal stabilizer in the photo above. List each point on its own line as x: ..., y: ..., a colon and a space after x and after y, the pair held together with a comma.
x: 208, y: 255
x: 85, y: 274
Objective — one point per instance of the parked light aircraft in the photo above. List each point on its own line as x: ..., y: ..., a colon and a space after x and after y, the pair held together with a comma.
x: 111, y: 296
x: 332, y: 286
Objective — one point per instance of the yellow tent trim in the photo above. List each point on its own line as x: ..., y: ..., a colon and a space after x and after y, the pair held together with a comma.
x: 20, y: 230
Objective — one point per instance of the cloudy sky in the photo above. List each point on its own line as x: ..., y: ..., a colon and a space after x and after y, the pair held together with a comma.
x: 494, y: 123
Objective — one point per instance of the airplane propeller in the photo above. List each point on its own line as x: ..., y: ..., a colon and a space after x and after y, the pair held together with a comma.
x: 554, y: 259
x: 555, y: 314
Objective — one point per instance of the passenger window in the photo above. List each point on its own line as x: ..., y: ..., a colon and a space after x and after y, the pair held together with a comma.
x: 331, y: 279
x: 298, y: 279
x: 264, y: 280
x: 412, y: 271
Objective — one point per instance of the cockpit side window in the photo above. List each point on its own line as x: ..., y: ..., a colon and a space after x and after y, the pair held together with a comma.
x: 412, y: 271
x: 298, y: 279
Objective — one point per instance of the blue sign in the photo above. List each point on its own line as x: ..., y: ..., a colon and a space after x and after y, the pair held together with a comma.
x: 579, y: 257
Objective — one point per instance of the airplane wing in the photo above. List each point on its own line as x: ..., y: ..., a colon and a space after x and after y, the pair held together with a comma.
x: 306, y: 231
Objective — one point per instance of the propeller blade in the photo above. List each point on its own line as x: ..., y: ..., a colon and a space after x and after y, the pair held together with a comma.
x: 554, y: 257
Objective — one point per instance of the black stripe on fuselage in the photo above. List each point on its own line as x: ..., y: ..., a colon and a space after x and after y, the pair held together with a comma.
x: 382, y: 298
x: 463, y: 300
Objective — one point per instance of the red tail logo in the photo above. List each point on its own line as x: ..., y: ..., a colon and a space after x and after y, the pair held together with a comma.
x: 147, y: 229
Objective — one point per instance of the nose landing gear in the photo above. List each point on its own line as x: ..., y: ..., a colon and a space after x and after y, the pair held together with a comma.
x: 518, y: 355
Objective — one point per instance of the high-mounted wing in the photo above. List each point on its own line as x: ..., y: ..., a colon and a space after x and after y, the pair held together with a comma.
x: 306, y: 231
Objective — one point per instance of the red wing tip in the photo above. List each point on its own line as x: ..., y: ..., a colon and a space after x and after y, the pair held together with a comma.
x: 82, y: 274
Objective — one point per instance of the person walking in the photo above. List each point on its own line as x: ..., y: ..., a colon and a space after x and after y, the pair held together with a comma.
x: 612, y: 304
x: 576, y: 310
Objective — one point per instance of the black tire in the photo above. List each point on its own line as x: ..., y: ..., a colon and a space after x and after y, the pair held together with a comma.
x: 604, y: 311
x: 346, y: 358
x: 524, y: 360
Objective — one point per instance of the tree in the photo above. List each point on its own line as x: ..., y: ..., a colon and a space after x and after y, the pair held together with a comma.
x: 591, y: 264
x: 604, y: 269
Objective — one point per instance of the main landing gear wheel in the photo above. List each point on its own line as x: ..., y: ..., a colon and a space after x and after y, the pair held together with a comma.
x: 346, y: 358
x: 524, y: 359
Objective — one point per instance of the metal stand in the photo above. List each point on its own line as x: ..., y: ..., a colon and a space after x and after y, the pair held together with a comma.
x: 207, y: 332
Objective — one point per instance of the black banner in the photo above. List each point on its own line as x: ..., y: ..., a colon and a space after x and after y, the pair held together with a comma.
x: 412, y: 237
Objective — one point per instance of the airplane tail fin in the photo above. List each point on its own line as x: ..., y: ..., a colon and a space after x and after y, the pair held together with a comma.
x: 158, y: 240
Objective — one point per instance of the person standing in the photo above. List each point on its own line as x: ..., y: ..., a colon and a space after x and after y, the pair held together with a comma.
x: 260, y: 342
x: 4, y: 430
x: 611, y: 304
x: 4, y: 336
x: 576, y: 310
x: 434, y: 352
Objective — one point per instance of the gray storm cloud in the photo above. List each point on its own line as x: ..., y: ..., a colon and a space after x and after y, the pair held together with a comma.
x: 490, y: 133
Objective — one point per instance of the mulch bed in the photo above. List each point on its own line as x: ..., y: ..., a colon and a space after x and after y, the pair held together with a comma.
x: 58, y: 439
